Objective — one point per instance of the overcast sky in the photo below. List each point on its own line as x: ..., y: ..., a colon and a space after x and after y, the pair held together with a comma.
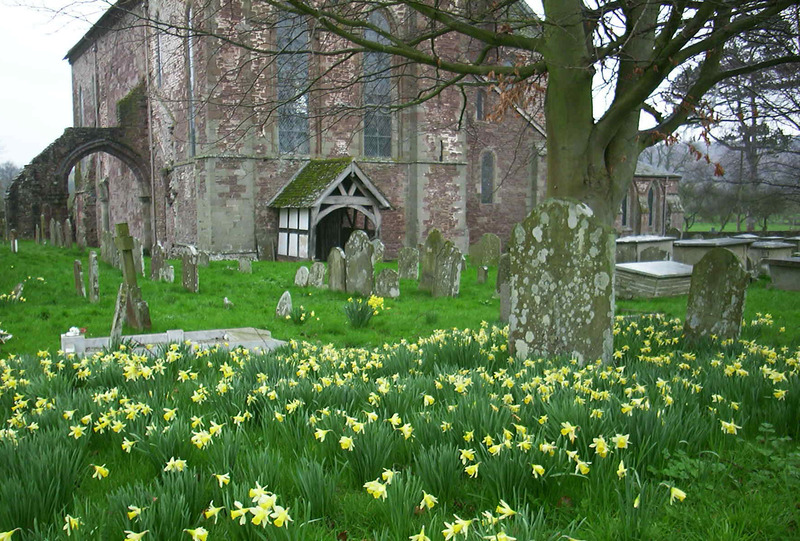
x: 35, y: 87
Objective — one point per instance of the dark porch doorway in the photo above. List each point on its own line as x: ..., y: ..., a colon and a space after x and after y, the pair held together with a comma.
x: 335, y: 228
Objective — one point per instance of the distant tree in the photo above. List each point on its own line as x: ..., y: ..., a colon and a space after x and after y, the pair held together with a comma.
x: 8, y: 172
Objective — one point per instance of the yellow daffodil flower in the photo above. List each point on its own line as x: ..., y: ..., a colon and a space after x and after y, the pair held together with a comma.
x: 428, y: 501
x: 133, y: 536
x: 198, y: 534
x: 100, y: 472
x: 420, y: 536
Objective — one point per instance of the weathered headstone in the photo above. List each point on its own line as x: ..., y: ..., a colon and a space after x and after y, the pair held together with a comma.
x: 447, y: 277
x: 168, y: 274
x: 316, y: 276
x: 138, y: 256
x: 94, y: 278
x: 12, y: 239
x: 37, y: 235
x: 284, y: 307
x: 430, y: 251
x: 337, y: 270
x: 716, y: 297
x: 505, y: 301
x: 408, y: 263
x: 245, y: 266
x: 486, y: 251
x: 190, y: 273
x: 378, y: 249
x: 301, y: 277
x: 358, y: 262
x: 503, y: 271
x: 483, y: 274
x: 77, y: 271
x: 42, y: 228
x: 120, y: 309
x: 52, y: 232
x: 157, y: 260
x: 561, y: 283
x: 137, y: 311
x: 203, y: 258
x: 387, y: 284
x: 68, y: 237
x: 59, y: 235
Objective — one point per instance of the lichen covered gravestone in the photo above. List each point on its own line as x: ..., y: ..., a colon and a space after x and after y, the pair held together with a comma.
x: 245, y: 266
x: 387, y: 284
x: 483, y: 274
x: 138, y: 312
x: 94, y: 278
x: 447, y: 277
x: 486, y: 251
x: 716, y: 297
x: 77, y: 271
x: 378, y: 249
x: 408, y: 263
x: 337, y: 270
x: 430, y: 251
x: 316, y: 276
x: 561, y: 283
x: 157, y: 261
x: 301, y: 277
x: 358, y: 262
x: 284, y: 307
x: 190, y: 272
x: 503, y: 272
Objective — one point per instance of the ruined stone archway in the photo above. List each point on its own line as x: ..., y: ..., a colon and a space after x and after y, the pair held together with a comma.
x: 42, y: 184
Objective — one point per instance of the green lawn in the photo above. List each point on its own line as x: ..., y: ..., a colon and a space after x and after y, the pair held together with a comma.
x: 730, y: 227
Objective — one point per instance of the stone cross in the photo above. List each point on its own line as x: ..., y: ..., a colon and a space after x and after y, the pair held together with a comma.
x: 716, y: 297
x: 447, y: 274
x: 358, y: 261
x: 430, y: 251
x: 94, y: 278
x: 77, y: 271
x: 387, y: 284
x: 337, y: 270
x: 191, y: 274
x: 408, y: 264
x: 562, y: 283
x: 138, y: 313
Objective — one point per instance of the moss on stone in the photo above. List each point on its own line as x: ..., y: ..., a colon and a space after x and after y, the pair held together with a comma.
x: 304, y: 189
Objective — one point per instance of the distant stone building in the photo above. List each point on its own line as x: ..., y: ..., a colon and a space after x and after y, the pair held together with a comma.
x: 652, y: 205
x: 199, y: 141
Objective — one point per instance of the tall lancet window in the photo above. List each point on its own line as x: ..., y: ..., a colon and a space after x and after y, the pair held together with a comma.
x: 377, y: 93
x: 293, y: 40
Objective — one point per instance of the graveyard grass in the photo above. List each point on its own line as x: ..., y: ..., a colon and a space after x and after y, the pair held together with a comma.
x: 666, y: 443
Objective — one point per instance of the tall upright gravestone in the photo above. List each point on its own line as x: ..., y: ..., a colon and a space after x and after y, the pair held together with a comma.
x: 337, y: 270
x: 716, y: 297
x: 430, y: 251
x: 408, y: 263
x: 137, y: 311
x: 486, y: 251
x: 157, y: 261
x: 359, y: 274
x: 447, y: 274
x: 191, y: 275
x: 77, y: 271
x: 316, y: 276
x: 562, y: 283
x: 94, y: 278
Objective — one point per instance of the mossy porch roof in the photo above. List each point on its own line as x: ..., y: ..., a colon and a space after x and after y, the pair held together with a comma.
x: 310, y: 182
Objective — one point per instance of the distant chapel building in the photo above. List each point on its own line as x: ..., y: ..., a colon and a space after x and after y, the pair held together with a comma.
x: 279, y: 150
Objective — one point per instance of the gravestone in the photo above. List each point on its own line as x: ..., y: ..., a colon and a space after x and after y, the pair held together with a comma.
x: 59, y: 235
x: 505, y: 301
x: 316, y: 276
x: 157, y: 260
x: 68, y: 238
x: 203, y: 258
x: 245, y: 265
x: 94, y: 278
x: 654, y: 253
x: 447, y: 277
x: 301, y: 277
x: 503, y: 272
x: 561, y: 283
x: 12, y: 239
x: 120, y: 309
x: 408, y: 264
x: 716, y: 297
x: 138, y: 256
x: 37, y: 235
x: 337, y: 270
x: 430, y: 250
x: 378, y: 249
x: 486, y: 251
x: 190, y: 272
x: 77, y: 271
x: 387, y: 284
x: 42, y: 228
x: 284, y: 307
x: 168, y: 274
x: 137, y: 311
x: 53, y: 232
x: 358, y: 263
x: 483, y: 274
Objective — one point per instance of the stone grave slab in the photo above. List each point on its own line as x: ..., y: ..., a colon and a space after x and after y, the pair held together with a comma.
x: 762, y: 250
x: 651, y: 279
x: 644, y: 248
x: 785, y: 273
x: 691, y: 251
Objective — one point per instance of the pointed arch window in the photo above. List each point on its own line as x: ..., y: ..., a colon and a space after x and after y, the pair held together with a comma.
x: 377, y: 92
x: 487, y: 178
x: 293, y: 39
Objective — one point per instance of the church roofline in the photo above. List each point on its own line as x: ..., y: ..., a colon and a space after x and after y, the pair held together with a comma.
x: 103, y: 24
